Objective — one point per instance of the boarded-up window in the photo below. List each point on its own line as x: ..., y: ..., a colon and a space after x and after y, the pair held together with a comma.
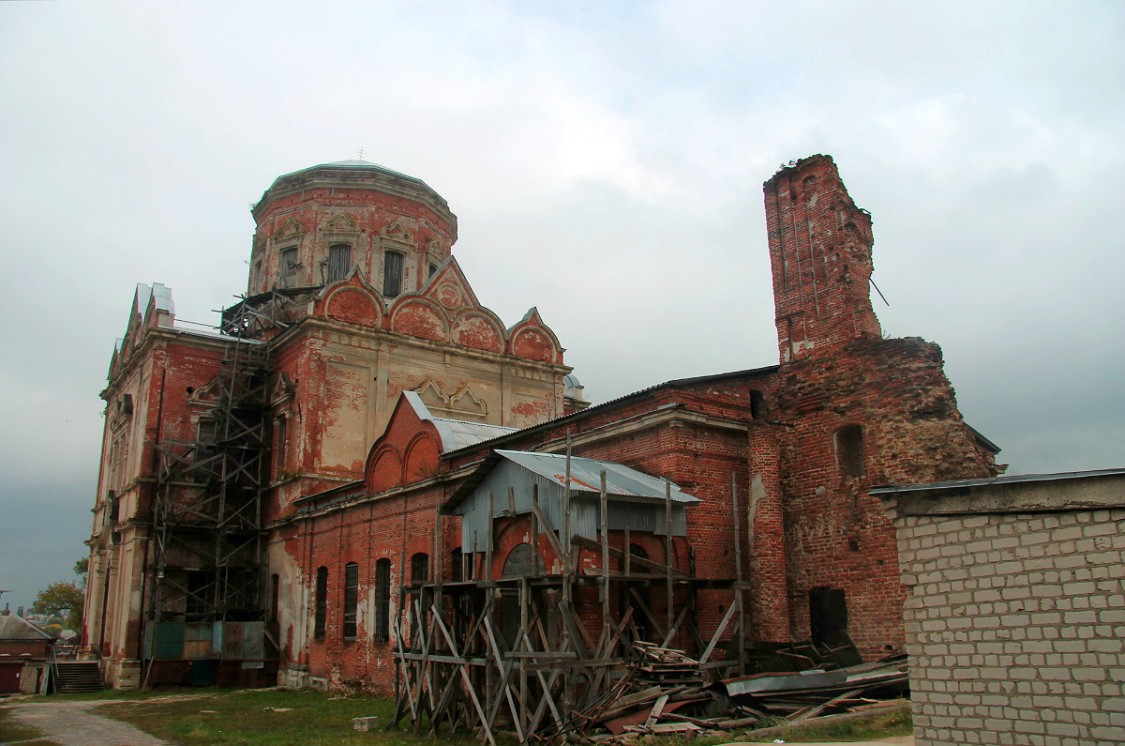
x: 288, y: 265
x: 393, y: 263
x: 849, y: 450
x: 280, y: 436
x: 419, y: 568
x: 339, y: 261
x: 321, y: 611
x: 520, y: 562
x: 382, y: 600
x: 351, y: 599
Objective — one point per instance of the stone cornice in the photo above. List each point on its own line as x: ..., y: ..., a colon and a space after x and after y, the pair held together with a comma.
x: 329, y: 176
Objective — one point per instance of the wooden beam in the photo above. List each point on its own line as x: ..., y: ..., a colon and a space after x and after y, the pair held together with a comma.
x: 544, y: 524
x: 630, y: 559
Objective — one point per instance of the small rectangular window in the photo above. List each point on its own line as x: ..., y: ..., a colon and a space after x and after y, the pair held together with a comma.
x: 320, y: 613
x: 383, y: 600
x: 339, y: 261
x: 849, y: 450
x: 392, y: 273
x: 351, y: 599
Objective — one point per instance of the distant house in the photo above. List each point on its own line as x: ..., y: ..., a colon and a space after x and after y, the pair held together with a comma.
x: 25, y: 653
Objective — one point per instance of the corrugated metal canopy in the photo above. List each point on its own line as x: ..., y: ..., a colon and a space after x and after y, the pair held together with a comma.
x: 585, y: 476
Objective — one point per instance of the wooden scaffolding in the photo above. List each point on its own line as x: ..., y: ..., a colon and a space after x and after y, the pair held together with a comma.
x: 542, y: 655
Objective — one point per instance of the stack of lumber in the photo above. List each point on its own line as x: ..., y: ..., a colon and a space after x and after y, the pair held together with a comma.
x: 667, y: 667
x: 639, y: 705
x: 811, y: 693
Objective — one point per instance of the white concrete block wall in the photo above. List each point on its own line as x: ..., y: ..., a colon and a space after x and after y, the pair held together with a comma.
x: 1016, y: 626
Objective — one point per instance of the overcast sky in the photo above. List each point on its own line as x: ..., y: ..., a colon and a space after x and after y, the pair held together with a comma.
x: 605, y: 161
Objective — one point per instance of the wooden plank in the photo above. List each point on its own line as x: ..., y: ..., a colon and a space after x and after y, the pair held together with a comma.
x: 656, y: 710
x: 545, y: 525
x: 488, y: 541
x: 603, y: 497
x: 659, y: 569
x: 718, y: 633
x: 669, y: 590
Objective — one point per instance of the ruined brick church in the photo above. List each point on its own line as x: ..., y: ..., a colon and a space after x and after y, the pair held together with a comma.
x: 363, y: 440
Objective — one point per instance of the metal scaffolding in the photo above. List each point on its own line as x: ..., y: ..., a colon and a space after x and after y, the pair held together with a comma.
x: 207, y: 559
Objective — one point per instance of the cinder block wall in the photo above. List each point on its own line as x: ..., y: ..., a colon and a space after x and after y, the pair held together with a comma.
x: 1015, y: 624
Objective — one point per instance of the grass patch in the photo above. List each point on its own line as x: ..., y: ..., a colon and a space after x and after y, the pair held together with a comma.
x: 271, y: 717
x: 896, y: 722
x: 14, y: 730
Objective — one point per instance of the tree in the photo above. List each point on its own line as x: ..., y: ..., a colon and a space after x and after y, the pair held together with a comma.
x: 59, y: 598
x: 81, y: 569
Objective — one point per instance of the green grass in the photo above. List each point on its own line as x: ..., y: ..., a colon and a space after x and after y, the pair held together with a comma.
x: 12, y: 731
x: 896, y: 722
x: 272, y: 717
x: 284, y: 717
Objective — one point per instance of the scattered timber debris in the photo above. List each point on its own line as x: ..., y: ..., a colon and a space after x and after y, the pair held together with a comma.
x: 662, y: 693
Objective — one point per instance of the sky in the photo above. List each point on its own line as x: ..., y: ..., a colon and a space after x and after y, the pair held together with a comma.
x: 605, y: 161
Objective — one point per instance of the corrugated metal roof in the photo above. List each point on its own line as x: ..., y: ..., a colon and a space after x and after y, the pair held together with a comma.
x: 635, y: 500
x: 585, y: 476
x: 456, y: 434
x: 676, y: 383
x: 15, y: 627
x: 1008, y: 479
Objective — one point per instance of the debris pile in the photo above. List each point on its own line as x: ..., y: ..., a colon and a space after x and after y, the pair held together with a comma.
x: 663, y: 693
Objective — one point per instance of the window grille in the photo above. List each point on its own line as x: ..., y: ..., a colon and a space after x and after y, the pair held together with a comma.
x: 288, y: 266
x: 382, y: 600
x: 392, y: 273
x: 339, y: 261
x: 351, y: 599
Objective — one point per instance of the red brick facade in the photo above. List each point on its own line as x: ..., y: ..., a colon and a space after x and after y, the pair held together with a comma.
x: 799, y: 444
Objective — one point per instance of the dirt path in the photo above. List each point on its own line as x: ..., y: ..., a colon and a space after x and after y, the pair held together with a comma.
x: 72, y: 724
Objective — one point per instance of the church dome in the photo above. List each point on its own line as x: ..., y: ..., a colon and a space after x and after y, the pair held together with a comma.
x: 318, y: 224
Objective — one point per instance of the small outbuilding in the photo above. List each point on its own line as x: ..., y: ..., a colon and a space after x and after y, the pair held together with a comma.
x: 1015, y: 614
x: 25, y: 654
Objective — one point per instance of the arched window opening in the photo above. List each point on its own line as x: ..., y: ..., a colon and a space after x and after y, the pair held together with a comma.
x: 419, y: 568
x: 320, y: 613
x: 393, y: 264
x: 520, y: 562
x: 849, y: 450
x: 351, y: 599
x: 382, y: 600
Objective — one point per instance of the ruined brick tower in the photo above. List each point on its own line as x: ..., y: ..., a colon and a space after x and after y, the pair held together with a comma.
x: 820, y: 249
x: 846, y: 411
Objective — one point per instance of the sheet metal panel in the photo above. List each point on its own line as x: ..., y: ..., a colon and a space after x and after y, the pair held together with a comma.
x: 585, y: 475
x: 647, y: 516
